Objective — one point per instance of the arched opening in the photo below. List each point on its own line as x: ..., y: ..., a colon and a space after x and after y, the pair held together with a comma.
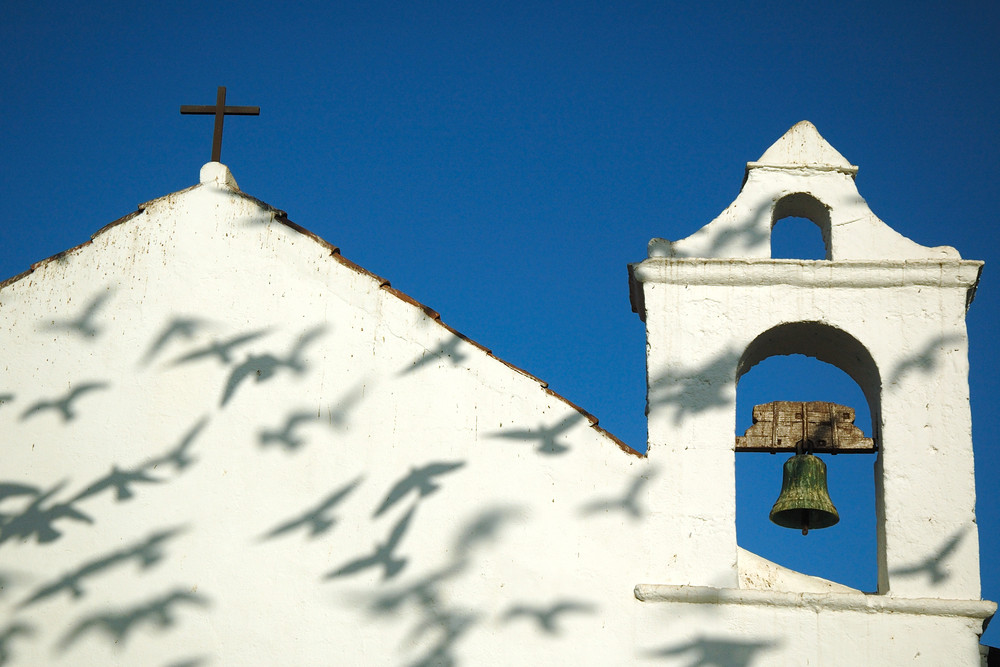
x: 807, y: 361
x: 800, y: 228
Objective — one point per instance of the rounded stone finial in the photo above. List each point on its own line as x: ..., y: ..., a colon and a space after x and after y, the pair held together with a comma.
x: 218, y: 174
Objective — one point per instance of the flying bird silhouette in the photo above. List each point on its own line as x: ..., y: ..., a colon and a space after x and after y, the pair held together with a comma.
x: 64, y: 405
x: 933, y: 566
x: 262, y: 367
x: 546, y: 616
x: 629, y: 503
x: 423, y: 593
x: 178, y: 456
x: 84, y: 323
x: 339, y: 411
x: 382, y: 556
x: 420, y: 480
x: 13, y: 489
x: 927, y: 359
x: 147, y: 553
x: 159, y: 612
x: 715, y: 652
x: 119, y: 480
x: 38, y: 521
x: 484, y: 528
x: 222, y: 350
x: 545, y: 435
x: 286, y: 435
x: 316, y: 519
x: 179, y: 327
x: 445, y: 350
x: 10, y: 632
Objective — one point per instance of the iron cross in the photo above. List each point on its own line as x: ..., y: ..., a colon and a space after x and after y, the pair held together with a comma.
x: 220, y: 111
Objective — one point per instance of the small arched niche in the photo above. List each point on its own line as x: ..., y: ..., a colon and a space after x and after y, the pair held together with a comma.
x: 806, y: 361
x: 792, y: 237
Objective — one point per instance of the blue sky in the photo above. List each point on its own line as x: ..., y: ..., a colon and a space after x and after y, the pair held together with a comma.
x: 504, y: 163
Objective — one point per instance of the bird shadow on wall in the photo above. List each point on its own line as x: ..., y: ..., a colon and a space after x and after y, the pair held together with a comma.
x: 259, y: 367
x: 696, y: 389
x: 448, y: 350
x: 10, y: 635
x: 39, y: 517
x: 714, y: 652
x: 545, y: 617
x: 177, y: 328
x: 546, y: 438
x: 438, y: 623
x: 926, y: 360
x: 750, y: 233
x: 64, y: 406
x: 117, y: 626
x: 288, y: 435
x: 317, y: 520
x: 263, y: 367
x: 421, y: 481
x: 628, y: 503
x: 145, y: 553
x: 85, y: 324
x: 934, y: 567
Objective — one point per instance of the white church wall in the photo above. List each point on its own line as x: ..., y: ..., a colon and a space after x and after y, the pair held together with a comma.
x: 212, y: 423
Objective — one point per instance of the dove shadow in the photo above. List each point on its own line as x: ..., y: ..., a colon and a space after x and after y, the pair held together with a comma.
x: 934, y: 566
x: 546, y: 437
x: 146, y: 553
x: 714, y: 652
x: 84, y: 324
x: 119, y: 625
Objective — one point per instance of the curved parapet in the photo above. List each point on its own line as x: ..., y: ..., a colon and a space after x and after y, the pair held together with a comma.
x: 800, y: 175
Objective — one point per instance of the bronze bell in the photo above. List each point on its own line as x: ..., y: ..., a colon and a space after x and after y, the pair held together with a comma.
x: 804, y: 501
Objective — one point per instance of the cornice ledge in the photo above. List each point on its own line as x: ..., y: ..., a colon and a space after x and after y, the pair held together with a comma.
x: 808, y: 273
x: 860, y: 602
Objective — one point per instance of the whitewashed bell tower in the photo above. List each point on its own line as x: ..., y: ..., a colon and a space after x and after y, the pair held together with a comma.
x: 887, y: 311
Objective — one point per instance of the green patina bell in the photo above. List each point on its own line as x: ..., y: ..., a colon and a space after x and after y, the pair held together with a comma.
x: 804, y: 501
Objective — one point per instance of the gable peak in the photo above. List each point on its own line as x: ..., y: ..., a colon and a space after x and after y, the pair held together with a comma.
x: 803, y: 146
